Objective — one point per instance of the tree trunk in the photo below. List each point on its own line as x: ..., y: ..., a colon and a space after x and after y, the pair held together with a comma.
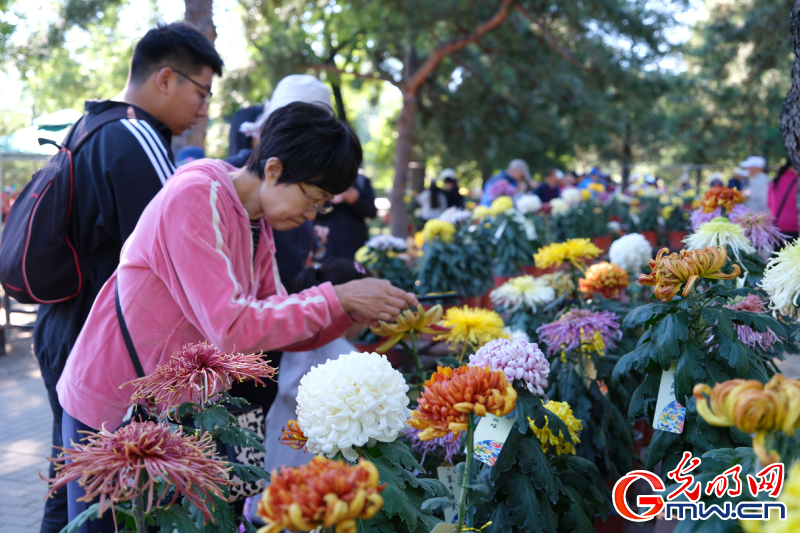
x: 338, y: 100
x: 402, y: 156
x: 627, y: 155
x: 790, y: 114
x: 200, y: 14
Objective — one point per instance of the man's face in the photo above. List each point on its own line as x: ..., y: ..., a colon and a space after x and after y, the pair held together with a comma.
x: 752, y: 171
x: 186, y: 101
x: 448, y: 186
x: 515, y: 173
x: 552, y: 179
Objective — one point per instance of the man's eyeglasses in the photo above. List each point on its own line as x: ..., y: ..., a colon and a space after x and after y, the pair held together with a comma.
x: 324, y: 209
x: 208, y: 95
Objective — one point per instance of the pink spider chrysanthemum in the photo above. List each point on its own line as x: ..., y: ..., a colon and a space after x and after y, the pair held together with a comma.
x: 759, y: 227
x: 577, y: 325
x: 748, y: 335
x: 123, y: 465
x: 201, y: 371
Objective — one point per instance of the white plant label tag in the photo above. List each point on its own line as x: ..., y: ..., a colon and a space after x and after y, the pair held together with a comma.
x: 490, y: 435
x: 670, y: 415
x: 444, y: 528
x: 449, y: 477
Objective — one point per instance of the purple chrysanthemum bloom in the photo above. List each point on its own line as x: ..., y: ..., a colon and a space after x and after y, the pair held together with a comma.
x: 759, y: 227
x: 748, y: 335
x: 518, y: 359
x: 501, y: 188
x: 698, y: 218
x: 451, y: 446
x: 565, y: 333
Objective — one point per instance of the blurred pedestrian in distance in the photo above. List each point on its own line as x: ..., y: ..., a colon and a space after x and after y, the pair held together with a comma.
x: 550, y: 188
x: 739, y: 178
x: 684, y: 182
x: 240, y: 145
x: 756, y: 188
x: 716, y: 180
x: 187, y: 154
x: 454, y: 198
x: 569, y: 180
x: 515, y: 173
x: 782, y: 203
x: 595, y: 176
x: 348, y: 220
x: 432, y: 201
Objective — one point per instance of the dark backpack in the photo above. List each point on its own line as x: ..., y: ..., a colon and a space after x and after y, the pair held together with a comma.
x: 38, y: 263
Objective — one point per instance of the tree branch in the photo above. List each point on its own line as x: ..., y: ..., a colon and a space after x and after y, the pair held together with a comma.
x: 442, y: 51
x: 334, y: 68
x: 551, y: 39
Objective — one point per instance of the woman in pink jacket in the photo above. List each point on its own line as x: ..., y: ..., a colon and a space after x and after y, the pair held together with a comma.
x: 200, y: 265
x: 782, y: 200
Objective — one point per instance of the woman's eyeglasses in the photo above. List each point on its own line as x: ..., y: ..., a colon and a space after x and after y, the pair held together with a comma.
x: 208, y: 94
x: 323, y: 209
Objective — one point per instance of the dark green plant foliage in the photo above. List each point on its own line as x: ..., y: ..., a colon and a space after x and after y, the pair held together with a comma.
x: 512, y: 248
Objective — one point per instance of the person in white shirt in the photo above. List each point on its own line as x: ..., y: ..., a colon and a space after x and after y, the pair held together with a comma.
x: 757, y: 188
x: 432, y: 201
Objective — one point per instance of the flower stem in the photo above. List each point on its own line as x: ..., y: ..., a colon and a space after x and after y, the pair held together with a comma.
x: 578, y: 293
x: 417, y: 360
x: 462, y: 508
x: 138, y: 507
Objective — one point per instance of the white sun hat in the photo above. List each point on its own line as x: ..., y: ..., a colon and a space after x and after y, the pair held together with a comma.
x: 294, y: 88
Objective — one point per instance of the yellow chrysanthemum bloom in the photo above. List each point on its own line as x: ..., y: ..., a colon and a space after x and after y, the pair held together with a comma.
x: 471, y: 205
x: 586, y: 195
x: 597, y: 187
x: 667, y: 211
x: 419, y: 239
x: 790, y: 495
x: 676, y: 201
x: 576, y: 251
x: 471, y: 327
x: 419, y: 321
x: 560, y: 281
x: 501, y: 205
x: 438, y: 229
x: 481, y: 212
x: 365, y: 256
x: 720, y: 231
x: 691, y: 193
x: 546, y: 437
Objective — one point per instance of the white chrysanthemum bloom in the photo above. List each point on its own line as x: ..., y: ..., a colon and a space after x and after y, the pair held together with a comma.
x: 632, y: 252
x: 516, y: 334
x: 571, y: 195
x: 650, y: 192
x: 530, y: 203
x: 614, y: 226
x: 720, y: 232
x: 782, y: 280
x: 558, y: 206
x: 387, y: 242
x: 355, y: 400
x: 523, y: 291
x: 455, y: 215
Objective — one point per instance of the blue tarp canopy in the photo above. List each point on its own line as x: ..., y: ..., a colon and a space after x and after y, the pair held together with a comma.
x: 26, y: 141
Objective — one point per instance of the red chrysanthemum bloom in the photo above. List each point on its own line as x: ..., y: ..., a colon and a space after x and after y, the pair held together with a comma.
x: 200, y: 370
x: 293, y: 436
x: 450, y: 395
x: 323, y: 493
x: 604, y: 278
x: 723, y: 197
x: 122, y: 465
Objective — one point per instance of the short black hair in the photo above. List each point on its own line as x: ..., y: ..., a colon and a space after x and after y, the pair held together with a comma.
x: 312, y: 145
x: 549, y: 171
x: 452, y: 180
x: 178, y: 45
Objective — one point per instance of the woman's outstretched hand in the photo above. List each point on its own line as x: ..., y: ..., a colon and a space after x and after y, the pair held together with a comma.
x: 369, y: 300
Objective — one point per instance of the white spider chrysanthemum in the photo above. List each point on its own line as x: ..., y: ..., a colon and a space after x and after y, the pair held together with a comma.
x: 355, y: 400
x: 782, y: 280
x: 455, y: 215
x: 530, y: 203
x: 632, y: 252
x: 558, y: 206
x: 571, y: 195
x: 387, y: 242
x: 720, y: 232
x: 523, y: 291
x: 516, y: 334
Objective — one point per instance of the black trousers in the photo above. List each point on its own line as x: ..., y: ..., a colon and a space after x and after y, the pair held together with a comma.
x: 55, y: 509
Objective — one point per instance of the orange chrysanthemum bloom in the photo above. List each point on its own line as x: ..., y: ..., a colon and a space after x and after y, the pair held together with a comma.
x: 668, y: 272
x: 293, y: 436
x: 604, y: 278
x: 723, y: 197
x: 110, y: 466
x: 450, y: 395
x: 198, y: 370
x: 322, y: 493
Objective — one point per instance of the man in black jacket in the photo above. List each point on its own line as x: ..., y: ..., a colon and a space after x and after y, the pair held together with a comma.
x: 116, y: 174
x: 347, y: 222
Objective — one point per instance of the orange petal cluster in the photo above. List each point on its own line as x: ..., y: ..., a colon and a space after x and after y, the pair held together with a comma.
x: 293, y: 436
x: 450, y: 395
x: 670, y: 271
x: 323, y: 493
x: 720, y: 196
x: 604, y: 278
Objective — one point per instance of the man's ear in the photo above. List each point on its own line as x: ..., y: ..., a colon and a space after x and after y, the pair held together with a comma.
x: 164, y: 78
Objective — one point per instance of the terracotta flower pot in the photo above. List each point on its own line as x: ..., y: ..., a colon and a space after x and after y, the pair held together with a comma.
x: 652, y: 237
x: 676, y: 240
x: 486, y: 301
x: 530, y: 270
x: 471, y: 301
x: 602, y: 241
x: 613, y: 524
x: 499, y: 280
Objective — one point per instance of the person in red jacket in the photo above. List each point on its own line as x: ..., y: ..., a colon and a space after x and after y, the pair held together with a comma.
x: 782, y: 200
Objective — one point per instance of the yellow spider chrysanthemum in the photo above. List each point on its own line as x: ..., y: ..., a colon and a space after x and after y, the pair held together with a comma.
x: 471, y: 327
x: 365, y: 256
x: 720, y: 231
x: 438, y: 229
x: 546, y: 437
x: 419, y: 321
x: 501, y: 205
x: 481, y: 211
x: 667, y: 211
x: 576, y: 251
x: 560, y: 281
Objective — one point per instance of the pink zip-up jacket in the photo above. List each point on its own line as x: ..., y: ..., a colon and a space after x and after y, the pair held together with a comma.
x: 187, y: 274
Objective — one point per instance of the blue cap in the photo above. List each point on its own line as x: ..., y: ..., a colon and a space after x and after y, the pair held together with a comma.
x: 187, y: 154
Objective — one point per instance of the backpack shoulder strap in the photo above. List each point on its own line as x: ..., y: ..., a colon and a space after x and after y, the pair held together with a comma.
x: 137, y: 364
x: 110, y: 115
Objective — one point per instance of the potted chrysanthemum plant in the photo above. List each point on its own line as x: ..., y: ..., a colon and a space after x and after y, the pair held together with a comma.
x: 442, y: 266
x: 690, y: 339
x: 523, y: 301
x: 386, y: 257
x: 514, y: 237
x: 572, y: 255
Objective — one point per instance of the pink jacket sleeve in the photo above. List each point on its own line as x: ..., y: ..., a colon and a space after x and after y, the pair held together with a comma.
x: 200, y: 269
